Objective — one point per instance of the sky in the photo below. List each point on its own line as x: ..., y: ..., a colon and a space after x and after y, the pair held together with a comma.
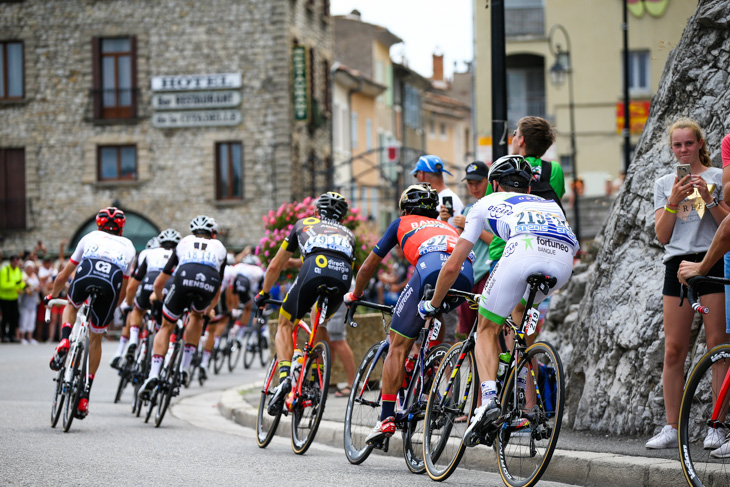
x: 425, y: 26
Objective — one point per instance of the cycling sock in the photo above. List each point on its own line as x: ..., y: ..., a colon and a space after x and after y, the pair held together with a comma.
x: 388, y: 407
x: 206, y: 359
x: 66, y: 330
x: 134, y: 334
x: 156, y: 365
x: 489, y: 390
x: 188, y: 356
x: 217, y: 341
x: 235, y: 329
x: 284, y: 368
x: 89, y: 384
x: 120, y: 348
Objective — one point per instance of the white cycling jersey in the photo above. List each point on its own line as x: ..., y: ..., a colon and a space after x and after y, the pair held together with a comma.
x: 254, y: 273
x: 229, y: 275
x: 198, y: 250
x: 104, y: 246
x: 155, y: 258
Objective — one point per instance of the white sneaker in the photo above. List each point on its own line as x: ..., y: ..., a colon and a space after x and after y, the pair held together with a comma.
x: 666, y: 438
x: 33, y: 341
x: 715, y: 438
x: 723, y: 451
x: 23, y: 341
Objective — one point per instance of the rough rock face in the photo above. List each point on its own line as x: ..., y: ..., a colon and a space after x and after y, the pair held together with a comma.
x: 607, y: 323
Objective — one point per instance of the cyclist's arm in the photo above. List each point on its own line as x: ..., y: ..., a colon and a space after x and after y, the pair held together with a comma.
x: 450, y: 271
x: 719, y: 247
x: 276, y: 265
x: 62, y: 278
x: 231, y: 298
x: 132, y: 290
x: 366, y: 272
x: 123, y: 292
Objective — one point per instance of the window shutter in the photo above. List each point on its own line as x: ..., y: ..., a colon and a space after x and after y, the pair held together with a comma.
x: 133, y: 63
x: 96, y: 92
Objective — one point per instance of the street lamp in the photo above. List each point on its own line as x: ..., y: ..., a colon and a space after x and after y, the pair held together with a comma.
x: 558, y: 72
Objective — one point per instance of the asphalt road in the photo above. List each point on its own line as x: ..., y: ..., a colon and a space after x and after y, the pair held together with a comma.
x: 195, y: 445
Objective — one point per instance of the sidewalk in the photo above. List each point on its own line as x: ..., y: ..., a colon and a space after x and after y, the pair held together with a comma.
x: 589, y: 459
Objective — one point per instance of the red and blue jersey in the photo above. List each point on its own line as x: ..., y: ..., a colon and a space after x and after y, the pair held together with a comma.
x: 417, y: 235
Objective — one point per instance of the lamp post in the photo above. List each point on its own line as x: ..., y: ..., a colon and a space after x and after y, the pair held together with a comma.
x: 562, y: 67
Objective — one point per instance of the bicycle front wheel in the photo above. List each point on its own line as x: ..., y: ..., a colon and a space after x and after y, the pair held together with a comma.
x: 266, y: 424
x: 219, y: 354
x: 416, y: 400
x: 172, y: 383
x: 75, y: 387
x: 704, y: 409
x: 234, y: 353
x: 124, y: 373
x: 308, y: 409
x: 527, y: 440
x: 363, y: 406
x: 451, y: 403
x: 58, y: 398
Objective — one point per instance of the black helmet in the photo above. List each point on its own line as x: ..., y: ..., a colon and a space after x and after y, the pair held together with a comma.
x: 332, y: 205
x: 511, y: 171
x: 418, y: 196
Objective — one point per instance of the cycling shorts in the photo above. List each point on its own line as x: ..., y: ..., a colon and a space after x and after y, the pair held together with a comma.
x: 317, y: 269
x: 145, y: 290
x: 242, y: 286
x: 406, y: 320
x: 523, y: 255
x: 108, y: 277
x: 193, y: 286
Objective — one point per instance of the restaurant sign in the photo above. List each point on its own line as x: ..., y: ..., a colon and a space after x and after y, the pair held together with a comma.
x: 196, y: 99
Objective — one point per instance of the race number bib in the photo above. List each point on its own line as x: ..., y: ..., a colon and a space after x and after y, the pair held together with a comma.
x: 438, y: 243
x: 336, y: 243
x: 532, y: 319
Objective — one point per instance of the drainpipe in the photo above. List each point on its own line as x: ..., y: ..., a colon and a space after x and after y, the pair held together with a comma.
x: 349, y: 134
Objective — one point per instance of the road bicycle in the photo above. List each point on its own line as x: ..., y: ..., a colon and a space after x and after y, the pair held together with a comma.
x: 364, y: 403
x: 130, y: 371
x: 143, y: 361
x: 228, y: 350
x: 170, y: 380
x: 705, y: 404
x: 532, y: 396
x: 72, y: 379
x: 308, y: 396
x: 256, y: 343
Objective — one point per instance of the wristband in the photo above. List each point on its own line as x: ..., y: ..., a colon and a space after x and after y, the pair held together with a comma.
x: 666, y: 207
x: 671, y: 205
x: 712, y: 204
x: 461, y: 228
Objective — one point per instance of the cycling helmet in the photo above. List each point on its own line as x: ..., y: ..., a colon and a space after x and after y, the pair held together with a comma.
x: 170, y: 235
x: 230, y: 259
x: 418, y: 196
x: 251, y: 259
x: 152, y: 243
x: 216, y: 227
x: 203, y: 224
x: 111, y: 219
x: 511, y: 171
x: 332, y: 205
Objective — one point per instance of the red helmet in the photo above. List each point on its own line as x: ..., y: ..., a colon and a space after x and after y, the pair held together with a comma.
x: 111, y: 219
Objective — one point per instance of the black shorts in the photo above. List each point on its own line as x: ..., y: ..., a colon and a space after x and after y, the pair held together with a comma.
x: 242, y: 285
x: 316, y: 270
x: 193, y: 287
x: 108, y: 277
x: 145, y: 290
x: 671, y: 283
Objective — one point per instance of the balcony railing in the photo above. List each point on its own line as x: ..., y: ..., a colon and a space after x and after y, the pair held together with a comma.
x: 114, y: 106
x: 527, y: 21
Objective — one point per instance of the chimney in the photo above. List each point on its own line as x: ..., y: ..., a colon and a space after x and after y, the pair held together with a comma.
x: 438, y: 67
x: 354, y: 15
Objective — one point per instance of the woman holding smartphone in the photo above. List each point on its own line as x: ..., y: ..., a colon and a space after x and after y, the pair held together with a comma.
x: 687, y: 215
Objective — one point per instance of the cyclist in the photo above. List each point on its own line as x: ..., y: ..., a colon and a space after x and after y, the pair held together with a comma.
x: 246, y: 283
x: 426, y: 242
x: 103, y: 258
x: 538, y: 240
x: 150, y: 263
x: 327, y: 249
x: 196, y: 267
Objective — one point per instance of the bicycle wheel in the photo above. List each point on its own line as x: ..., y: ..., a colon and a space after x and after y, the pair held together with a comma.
x: 234, y: 353
x: 124, y: 373
x: 171, y: 384
x: 58, y: 398
x: 416, y: 400
x: 307, y: 411
x: 218, y: 356
x: 527, y: 440
x: 702, y: 396
x: 140, y: 374
x: 363, y: 405
x: 152, y: 403
x: 265, y: 424
x: 448, y: 412
x: 75, y: 387
x: 264, y: 352
x: 250, y: 349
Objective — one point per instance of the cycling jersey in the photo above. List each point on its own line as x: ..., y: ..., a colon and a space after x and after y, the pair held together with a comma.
x: 247, y: 280
x: 149, y: 265
x: 198, y: 250
x: 106, y: 247
x: 314, y: 235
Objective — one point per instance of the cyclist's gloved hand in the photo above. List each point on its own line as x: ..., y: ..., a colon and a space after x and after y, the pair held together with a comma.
x: 236, y: 313
x: 426, y: 309
x: 350, y: 298
x: 260, y: 299
x: 47, y: 299
x: 124, y: 307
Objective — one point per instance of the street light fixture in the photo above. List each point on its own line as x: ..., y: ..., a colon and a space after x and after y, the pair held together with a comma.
x: 558, y: 72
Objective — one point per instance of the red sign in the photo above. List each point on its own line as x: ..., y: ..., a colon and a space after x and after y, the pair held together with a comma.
x: 638, y: 114
x: 392, y: 154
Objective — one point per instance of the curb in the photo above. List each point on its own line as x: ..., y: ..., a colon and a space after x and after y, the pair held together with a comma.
x: 567, y: 466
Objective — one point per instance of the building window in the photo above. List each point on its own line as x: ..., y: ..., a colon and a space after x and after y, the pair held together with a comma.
x: 117, y: 162
x: 639, y: 71
x: 229, y: 171
x: 326, y: 8
x: 326, y: 93
x: 11, y: 70
x: 12, y: 189
x: 353, y: 131
x: 368, y: 134
x: 431, y: 128
x: 526, y: 93
x: 115, y: 78
x: 442, y: 130
x: 566, y: 162
x: 412, y: 107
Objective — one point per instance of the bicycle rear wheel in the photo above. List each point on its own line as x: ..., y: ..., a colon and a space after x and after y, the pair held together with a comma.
x: 416, y: 400
x: 58, y: 398
x: 448, y: 412
x: 701, y: 396
x: 250, y: 349
x: 172, y: 383
x: 124, y: 373
x: 527, y: 440
x: 307, y: 411
x: 219, y: 353
x: 234, y: 353
x: 265, y: 424
x: 363, y: 406
x: 75, y: 387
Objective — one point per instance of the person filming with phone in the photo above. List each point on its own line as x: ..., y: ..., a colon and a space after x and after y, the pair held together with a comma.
x: 687, y: 215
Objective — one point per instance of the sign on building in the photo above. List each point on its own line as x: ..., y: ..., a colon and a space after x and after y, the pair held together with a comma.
x: 299, y: 67
x: 196, y: 99
x: 196, y: 118
x: 196, y: 82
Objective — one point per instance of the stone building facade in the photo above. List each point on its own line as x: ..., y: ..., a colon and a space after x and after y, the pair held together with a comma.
x: 84, y: 132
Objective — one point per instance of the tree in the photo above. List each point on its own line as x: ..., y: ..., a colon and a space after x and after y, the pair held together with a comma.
x: 612, y: 343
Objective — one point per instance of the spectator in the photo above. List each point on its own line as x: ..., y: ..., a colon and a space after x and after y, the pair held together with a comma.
x: 725, y: 150
x: 11, y: 286
x: 28, y: 304
x: 476, y: 181
x: 687, y: 215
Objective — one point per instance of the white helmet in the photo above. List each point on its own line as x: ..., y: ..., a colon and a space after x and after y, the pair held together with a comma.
x: 152, y: 243
x: 169, y: 235
x: 230, y: 259
x: 203, y: 224
x: 251, y: 259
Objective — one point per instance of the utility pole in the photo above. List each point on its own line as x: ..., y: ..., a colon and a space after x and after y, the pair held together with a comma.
x: 499, y: 82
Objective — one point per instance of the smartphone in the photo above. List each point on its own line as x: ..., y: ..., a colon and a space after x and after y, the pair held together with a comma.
x: 683, y: 170
x: 448, y: 203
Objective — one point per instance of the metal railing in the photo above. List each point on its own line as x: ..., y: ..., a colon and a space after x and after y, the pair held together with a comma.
x: 528, y: 21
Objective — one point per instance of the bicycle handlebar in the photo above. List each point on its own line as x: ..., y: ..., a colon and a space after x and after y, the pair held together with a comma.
x: 692, y: 293
x: 260, y: 311
x: 349, y: 318
x: 51, y: 304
